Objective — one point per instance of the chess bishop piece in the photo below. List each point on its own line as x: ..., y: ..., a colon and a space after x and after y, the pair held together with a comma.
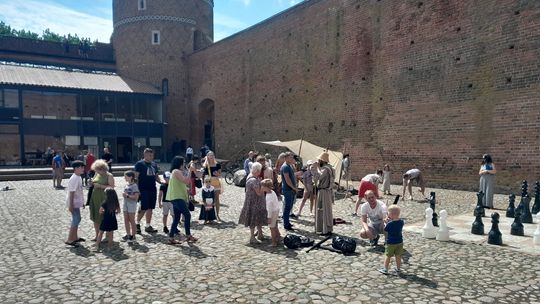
x: 443, y: 234
x: 480, y: 204
x: 429, y: 231
x: 495, y: 235
x: 510, y: 211
x: 526, y: 216
x: 477, y: 226
x: 517, y: 226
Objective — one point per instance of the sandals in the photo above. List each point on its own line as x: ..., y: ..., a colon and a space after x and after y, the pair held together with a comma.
x: 174, y: 242
x: 80, y: 240
x: 191, y: 239
x: 74, y: 243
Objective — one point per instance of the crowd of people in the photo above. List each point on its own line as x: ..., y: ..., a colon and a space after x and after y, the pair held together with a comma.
x: 266, y: 185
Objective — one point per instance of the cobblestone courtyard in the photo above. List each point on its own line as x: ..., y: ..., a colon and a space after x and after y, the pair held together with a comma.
x: 36, y: 266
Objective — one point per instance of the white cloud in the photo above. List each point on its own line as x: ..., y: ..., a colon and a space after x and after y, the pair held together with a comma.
x: 37, y: 16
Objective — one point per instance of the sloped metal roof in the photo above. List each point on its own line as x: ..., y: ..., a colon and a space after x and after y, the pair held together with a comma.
x: 56, y: 78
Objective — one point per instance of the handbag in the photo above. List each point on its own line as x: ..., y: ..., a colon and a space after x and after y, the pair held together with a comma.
x: 214, y: 181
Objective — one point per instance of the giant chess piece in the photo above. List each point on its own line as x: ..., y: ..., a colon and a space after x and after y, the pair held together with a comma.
x: 536, y: 205
x: 526, y: 216
x: 432, y: 206
x: 495, y: 235
x: 517, y: 226
x: 429, y: 231
x: 477, y: 226
x: 524, y: 188
x: 536, y: 238
x: 511, y: 210
x: 480, y: 204
x: 443, y: 233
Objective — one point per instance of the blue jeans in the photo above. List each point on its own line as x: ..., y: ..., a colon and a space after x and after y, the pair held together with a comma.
x: 288, y: 202
x: 180, y: 207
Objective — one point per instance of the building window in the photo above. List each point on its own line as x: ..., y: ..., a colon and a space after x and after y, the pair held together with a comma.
x: 9, y: 98
x: 142, y: 5
x: 155, y: 37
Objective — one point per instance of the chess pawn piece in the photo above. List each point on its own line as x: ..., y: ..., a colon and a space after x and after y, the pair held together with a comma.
x: 443, y: 233
x: 536, y: 205
x: 429, y: 231
x: 495, y: 235
x: 536, y: 238
x: 477, y: 226
x: 480, y: 204
x: 526, y: 216
x: 517, y: 226
x: 510, y: 211
x: 432, y: 206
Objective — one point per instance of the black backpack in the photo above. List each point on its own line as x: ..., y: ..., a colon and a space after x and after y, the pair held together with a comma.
x: 344, y: 244
x: 292, y: 241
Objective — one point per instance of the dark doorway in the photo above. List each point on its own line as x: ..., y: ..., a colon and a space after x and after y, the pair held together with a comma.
x: 206, y: 122
x: 124, y: 149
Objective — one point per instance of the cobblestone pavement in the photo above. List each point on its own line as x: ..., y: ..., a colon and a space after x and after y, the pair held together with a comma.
x: 36, y: 267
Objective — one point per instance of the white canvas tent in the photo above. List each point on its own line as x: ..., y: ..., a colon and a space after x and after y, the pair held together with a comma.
x: 308, y: 151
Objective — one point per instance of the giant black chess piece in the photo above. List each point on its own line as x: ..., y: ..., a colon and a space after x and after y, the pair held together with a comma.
x: 517, y: 226
x: 432, y: 206
x: 480, y: 204
x: 536, y: 205
x: 511, y: 210
x: 477, y: 226
x: 495, y: 235
x: 524, y: 188
x: 526, y: 216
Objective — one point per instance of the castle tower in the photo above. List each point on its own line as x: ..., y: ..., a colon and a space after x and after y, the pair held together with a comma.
x: 151, y: 39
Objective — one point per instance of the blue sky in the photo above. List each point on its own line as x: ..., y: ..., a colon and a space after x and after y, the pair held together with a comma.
x: 93, y: 18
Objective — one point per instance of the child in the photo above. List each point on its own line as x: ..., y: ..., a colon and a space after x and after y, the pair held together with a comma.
x: 208, y: 212
x: 164, y: 202
x: 309, y: 190
x: 394, y: 239
x: 109, y: 209
x: 75, y: 201
x: 272, y: 208
x: 386, y: 179
x: 131, y: 196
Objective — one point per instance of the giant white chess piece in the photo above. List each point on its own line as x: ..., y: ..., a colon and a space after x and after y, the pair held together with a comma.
x: 536, y: 237
x: 429, y: 231
x: 443, y: 234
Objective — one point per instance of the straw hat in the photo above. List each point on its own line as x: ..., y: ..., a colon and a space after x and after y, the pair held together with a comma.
x: 324, y: 157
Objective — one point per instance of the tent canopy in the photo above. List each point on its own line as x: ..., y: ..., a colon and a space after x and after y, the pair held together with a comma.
x: 309, y: 151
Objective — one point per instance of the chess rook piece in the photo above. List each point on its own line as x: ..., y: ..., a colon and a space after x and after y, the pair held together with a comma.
x: 517, y: 226
x: 526, y: 216
x: 477, y: 226
x: 480, y: 204
x: 495, y: 235
x: 510, y: 211
x: 432, y: 206
x: 443, y: 233
x: 536, y: 205
x: 536, y: 238
x: 429, y: 231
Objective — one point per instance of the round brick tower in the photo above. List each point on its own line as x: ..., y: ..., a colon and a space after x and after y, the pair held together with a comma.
x: 151, y: 39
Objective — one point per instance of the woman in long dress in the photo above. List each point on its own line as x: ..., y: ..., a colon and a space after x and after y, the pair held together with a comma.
x: 325, y: 196
x: 487, y: 180
x: 101, y: 181
x: 254, y: 214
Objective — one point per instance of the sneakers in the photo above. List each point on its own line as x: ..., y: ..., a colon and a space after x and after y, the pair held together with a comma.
x: 396, y: 270
x: 383, y: 270
x: 374, y: 241
x: 293, y: 215
x: 125, y: 238
x: 139, y: 229
x: 165, y: 230
x: 150, y: 229
x: 131, y: 239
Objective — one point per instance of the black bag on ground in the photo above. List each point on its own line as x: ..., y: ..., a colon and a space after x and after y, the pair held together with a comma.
x: 344, y: 244
x: 292, y: 241
x: 306, y: 242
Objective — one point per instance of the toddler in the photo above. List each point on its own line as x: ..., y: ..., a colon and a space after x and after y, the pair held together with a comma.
x: 272, y: 208
x: 131, y: 196
x: 394, y: 239
x: 109, y: 209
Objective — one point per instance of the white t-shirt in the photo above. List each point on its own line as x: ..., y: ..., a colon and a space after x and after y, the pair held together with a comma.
x: 272, y: 203
x: 75, y: 185
x: 374, y: 214
x: 413, y: 173
x: 373, y: 178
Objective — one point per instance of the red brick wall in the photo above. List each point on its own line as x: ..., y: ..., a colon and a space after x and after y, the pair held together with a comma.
x: 432, y: 83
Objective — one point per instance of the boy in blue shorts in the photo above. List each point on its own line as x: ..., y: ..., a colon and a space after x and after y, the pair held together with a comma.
x: 394, y: 239
x: 74, y: 202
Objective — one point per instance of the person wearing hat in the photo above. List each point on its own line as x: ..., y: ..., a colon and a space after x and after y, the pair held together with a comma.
x: 288, y: 187
x: 308, y: 178
x: 325, y: 197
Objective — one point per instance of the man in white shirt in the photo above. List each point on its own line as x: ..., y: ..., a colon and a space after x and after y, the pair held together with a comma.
x: 376, y: 211
x: 409, y: 177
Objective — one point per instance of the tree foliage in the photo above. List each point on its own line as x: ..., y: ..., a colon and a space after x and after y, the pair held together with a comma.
x: 47, y: 35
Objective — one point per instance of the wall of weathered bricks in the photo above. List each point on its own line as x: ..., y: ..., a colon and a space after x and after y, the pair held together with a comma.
x: 432, y: 83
